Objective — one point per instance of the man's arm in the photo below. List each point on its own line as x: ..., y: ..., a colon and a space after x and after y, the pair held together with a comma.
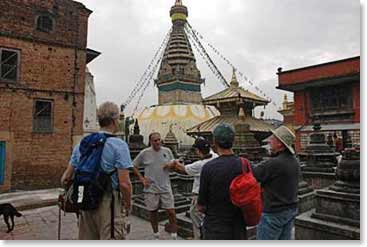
x: 143, y: 180
x: 176, y: 166
x: 74, y: 160
x: 262, y: 172
x: 180, y: 167
x: 67, y: 176
x: 125, y: 187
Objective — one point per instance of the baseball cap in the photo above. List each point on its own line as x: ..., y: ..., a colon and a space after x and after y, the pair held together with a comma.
x: 224, y: 134
x: 201, y: 143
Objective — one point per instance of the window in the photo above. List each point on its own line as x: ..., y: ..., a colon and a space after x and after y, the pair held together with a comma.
x: 9, y: 63
x: 45, y: 23
x: 42, y: 116
x: 331, y: 99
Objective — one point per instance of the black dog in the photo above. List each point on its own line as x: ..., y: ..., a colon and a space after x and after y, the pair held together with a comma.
x: 7, y: 210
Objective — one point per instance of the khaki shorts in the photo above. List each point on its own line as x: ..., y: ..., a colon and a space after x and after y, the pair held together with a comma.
x: 96, y: 224
x: 154, y: 201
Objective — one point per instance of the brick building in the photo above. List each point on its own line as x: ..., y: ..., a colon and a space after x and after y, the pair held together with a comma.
x: 329, y: 93
x: 42, y: 79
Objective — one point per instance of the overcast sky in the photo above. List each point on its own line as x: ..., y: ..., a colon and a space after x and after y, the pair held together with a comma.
x: 257, y: 36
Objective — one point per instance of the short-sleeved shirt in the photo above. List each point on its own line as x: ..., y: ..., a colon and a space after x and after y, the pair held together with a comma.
x: 216, y: 176
x: 115, y: 155
x: 153, y: 162
x: 194, y: 170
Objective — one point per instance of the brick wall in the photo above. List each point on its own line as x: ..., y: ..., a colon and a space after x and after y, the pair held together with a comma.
x: 52, y: 68
x: 18, y: 18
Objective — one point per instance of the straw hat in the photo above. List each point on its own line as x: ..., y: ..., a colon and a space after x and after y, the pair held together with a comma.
x: 286, y: 136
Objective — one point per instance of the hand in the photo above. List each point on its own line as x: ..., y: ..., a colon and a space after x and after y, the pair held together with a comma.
x: 145, y: 181
x: 127, y: 208
x: 179, y: 163
x: 170, y: 165
x: 66, y: 183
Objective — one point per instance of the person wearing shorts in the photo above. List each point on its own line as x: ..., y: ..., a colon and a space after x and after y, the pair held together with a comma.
x: 203, y: 150
x: 157, y: 185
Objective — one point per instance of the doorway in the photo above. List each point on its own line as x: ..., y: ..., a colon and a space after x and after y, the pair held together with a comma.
x: 2, y: 162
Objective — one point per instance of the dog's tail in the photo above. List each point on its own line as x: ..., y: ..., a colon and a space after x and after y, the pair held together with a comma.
x: 18, y: 214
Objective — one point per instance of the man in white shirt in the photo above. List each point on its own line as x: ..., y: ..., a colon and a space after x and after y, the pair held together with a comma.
x: 202, y: 148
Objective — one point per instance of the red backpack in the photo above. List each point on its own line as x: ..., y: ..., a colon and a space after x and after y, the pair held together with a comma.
x: 245, y: 193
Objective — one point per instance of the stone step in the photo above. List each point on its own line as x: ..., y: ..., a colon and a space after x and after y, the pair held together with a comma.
x: 184, y: 221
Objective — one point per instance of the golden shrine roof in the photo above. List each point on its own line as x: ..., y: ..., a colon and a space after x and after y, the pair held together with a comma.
x: 256, y: 125
x: 234, y: 92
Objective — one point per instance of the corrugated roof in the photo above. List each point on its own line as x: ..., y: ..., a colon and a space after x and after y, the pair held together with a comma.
x: 256, y: 125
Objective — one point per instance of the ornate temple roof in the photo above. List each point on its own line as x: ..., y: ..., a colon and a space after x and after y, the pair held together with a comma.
x: 256, y: 125
x: 233, y: 93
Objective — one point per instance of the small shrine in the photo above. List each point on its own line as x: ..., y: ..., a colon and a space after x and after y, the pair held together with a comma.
x: 230, y: 102
x: 245, y: 144
x: 136, y: 143
x: 171, y: 141
x: 337, y: 211
x: 320, y: 161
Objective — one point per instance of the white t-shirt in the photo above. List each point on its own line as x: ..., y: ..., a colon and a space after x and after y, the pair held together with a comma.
x: 194, y: 170
x: 152, y: 162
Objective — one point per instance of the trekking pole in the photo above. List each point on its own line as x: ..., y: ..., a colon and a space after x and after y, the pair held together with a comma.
x: 59, y: 227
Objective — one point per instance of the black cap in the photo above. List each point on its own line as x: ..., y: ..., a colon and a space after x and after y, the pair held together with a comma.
x: 201, y: 143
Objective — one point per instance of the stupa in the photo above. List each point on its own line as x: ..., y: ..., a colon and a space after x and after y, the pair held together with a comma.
x: 179, y: 87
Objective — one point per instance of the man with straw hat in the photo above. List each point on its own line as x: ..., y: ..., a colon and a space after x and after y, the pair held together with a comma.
x: 279, y: 179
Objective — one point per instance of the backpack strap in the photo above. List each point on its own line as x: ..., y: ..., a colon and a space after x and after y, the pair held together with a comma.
x: 245, y: 163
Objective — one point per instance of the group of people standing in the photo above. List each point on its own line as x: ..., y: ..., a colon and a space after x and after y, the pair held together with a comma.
x: 212, y: 212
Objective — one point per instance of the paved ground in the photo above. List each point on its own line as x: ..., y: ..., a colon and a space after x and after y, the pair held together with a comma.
x: 42, y: 224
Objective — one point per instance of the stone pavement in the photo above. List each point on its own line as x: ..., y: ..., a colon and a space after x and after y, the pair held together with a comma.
x: 40, y: 219
x: 42, y: 224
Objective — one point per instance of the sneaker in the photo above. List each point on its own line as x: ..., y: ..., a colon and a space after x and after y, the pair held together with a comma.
x: 156, y: 236
x: 174, y: 236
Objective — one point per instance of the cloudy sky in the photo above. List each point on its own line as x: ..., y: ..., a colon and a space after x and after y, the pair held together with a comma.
x: 256, y: 36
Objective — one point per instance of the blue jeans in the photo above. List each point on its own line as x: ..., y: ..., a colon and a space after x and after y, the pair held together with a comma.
x: 276, y: 226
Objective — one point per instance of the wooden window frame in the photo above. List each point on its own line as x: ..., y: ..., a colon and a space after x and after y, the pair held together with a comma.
x: 18, y: 65
x: 322, y: 109
x: 40, y: 28
x: 51, y: 130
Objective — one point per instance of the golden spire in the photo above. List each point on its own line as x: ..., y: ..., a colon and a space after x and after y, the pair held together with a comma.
x: 285, y: 102
x: 179, y: 12
x: 241, y: 113
x: 234, y: 81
